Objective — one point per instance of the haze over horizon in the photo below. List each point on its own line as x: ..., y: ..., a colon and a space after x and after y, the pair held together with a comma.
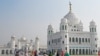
x: 30, y: 18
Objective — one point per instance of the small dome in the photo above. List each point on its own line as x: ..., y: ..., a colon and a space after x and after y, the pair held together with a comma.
x: 37, y: 38
x: 64, y: 20
x: 71, y: 18
x: 92, y: 23
x: 50, y: 26
x: 23, y: 38
x: 13, y: 37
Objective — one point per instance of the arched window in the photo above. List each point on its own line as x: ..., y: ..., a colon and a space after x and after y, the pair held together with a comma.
x: 49, y: 32
x: 74, y: 26
x: 73, y: 39
x: 79, y: 40
x: 49, y: 43
x: 92, y: 29
x: 70, y: 39
x: 73, y: 51
x: 62, y: 27
x: 70, y: 51
x: 76, y: 39
x: 95, y: 50
x: 76, y: 51
x: 86, y: 51
x: 79, y: 51
x: 96, y: 45
x: 65, y: 48
x: 85, y: 39
x: 3, y: 52
x: 7, y: 52
x: 11, y: 52
x: 83, y: 52
x: 63, y: 42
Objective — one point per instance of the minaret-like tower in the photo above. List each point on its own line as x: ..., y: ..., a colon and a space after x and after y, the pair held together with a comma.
x: 49, y: 34
x: 64, y: 34
x: 63, y: 25
x: 80, y: 26
x: 13, y: 42
x: 50, y: 30
x: 37, y: 44
x: 93, y: 27
x: 93, y: 38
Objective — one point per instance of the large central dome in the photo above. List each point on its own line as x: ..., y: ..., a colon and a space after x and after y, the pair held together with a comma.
x: 71, y: 18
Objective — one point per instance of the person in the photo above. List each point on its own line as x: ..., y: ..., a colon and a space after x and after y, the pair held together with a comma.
x: 58, y: 54
x: 17, y: 53
x: 50, y: 54
x: 55, y: 53
x: 62, y: 53
x: 44, y: 54
x: 32, y: 53
x: 66, y: 53
x: 35, y: 53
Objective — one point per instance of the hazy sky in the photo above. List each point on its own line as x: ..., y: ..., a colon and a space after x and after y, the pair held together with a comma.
x: 30, y: 18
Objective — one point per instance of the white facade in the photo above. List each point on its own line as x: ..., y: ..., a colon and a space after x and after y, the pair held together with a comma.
x: 71, y: 36
x: 21, y: 44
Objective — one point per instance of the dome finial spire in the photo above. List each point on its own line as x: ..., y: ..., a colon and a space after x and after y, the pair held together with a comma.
x: 70, y: 6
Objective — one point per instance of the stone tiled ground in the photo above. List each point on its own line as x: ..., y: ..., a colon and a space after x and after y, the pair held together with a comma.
x: 70, y: 55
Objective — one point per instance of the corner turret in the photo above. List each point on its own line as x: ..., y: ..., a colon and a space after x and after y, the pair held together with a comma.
x: 63, y: 25
x: 13, y: 42
x: 80, y: 26
x: 93, y: 33
x: 92, y: 26
x: 50, y: 30
x: 37, y: 44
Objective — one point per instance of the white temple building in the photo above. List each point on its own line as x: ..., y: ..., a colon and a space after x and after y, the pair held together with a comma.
x: 21, y: 44
x: 71, y: 36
